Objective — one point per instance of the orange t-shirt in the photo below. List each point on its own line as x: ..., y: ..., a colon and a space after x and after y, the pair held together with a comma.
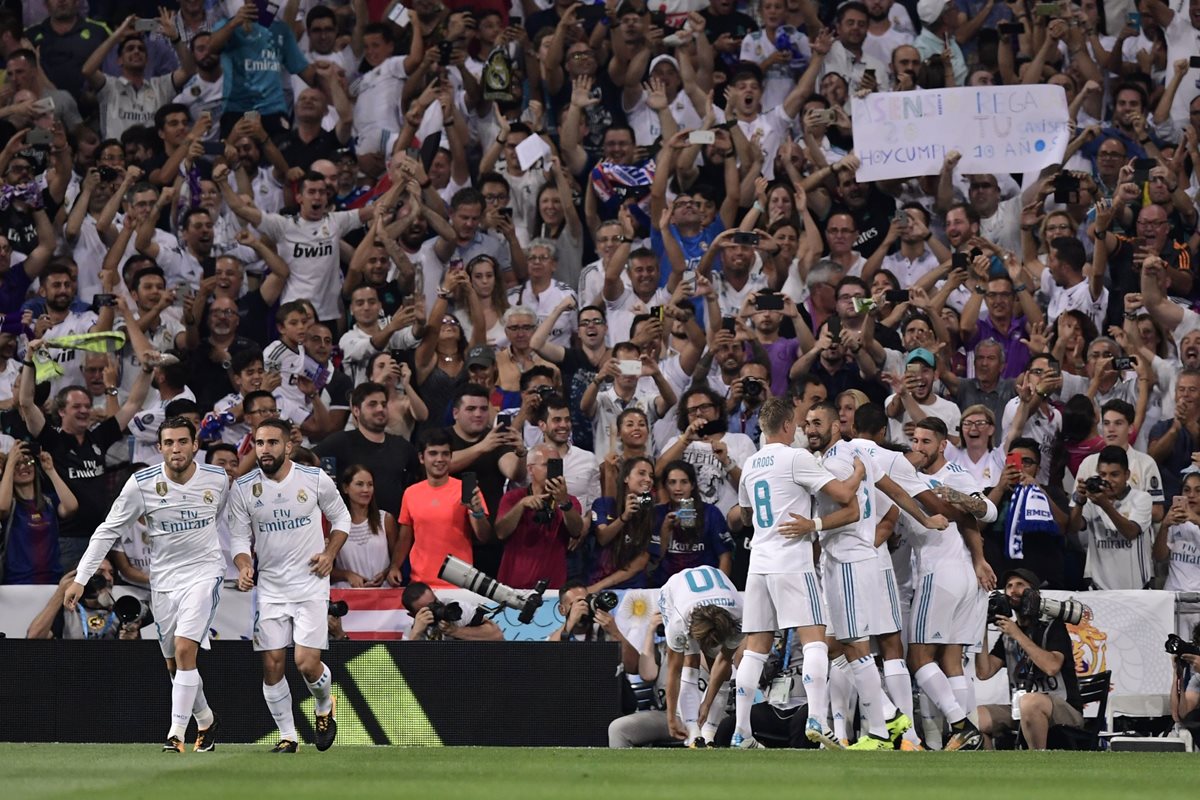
x: 440, y: 526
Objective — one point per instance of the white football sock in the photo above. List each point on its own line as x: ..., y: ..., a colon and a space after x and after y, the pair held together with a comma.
x: 322, y: 690
x: 183, y: 695
x: 279, y: 701
x: 816, y: 679
x: 899, y: 686
x: 749, y: 672
x: 842, y: 696
x: 716, y: 713
x: 200, y: 709
x: 964, y: 693
x: 936, y: 685
x: 689, y: 700
x: 870, y: 695
x: 931, y: 723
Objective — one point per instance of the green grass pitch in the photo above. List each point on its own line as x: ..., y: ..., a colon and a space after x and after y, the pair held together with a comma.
x: 343, y: 773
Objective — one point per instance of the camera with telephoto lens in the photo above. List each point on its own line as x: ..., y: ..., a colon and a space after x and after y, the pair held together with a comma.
x: 338, y: 608
x: 445, y: 612
x: 602, y: 601
x: 464, y: 576
x: 998, y: 605
x: 1069, y: 611
x: 128, y: 609
x: 1178, y: 646
x: 1095, y: 484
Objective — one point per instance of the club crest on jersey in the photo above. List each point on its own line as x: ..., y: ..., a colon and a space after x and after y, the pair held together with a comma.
x: 208, y: 496
x: 302, y: 496
x: 256, y: 489
x: 161, y: 488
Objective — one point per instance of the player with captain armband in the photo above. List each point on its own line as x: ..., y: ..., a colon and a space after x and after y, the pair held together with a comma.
x: 279, y: 504
x: 180, y: 501
x: 776, y: 495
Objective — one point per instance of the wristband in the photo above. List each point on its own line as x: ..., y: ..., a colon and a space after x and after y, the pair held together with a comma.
x: 477, y: 516
x: 758, y: 207
x: 29, y: 364
x: 818, y: 524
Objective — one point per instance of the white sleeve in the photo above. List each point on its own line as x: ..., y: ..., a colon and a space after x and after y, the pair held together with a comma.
x: 331, y: 504
x: 808, y: 473
x: 239, y: 522
x: 1140, y: 511
x: 124, y: 512
x: 272, y: 226
x: 144, y: 426
x: 356, y: 346
x: 743, y: 492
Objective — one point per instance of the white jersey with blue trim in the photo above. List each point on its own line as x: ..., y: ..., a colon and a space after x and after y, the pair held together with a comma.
x: 854, y: 542
x: 935, y: 549
x: 284, y: 519
x: 181, y: 521
x: 686, y: 591
x: 778, y: 481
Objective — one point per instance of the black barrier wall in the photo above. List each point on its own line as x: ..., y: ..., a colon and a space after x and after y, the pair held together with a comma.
x: 410, y: 693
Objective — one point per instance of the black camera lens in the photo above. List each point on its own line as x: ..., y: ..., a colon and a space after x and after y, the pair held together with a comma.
x: 95, y: 585
x: 128, y: 609
x: 445, y: 612
x: 751, y: 387
x: 602, y: 601
x: 338, y: 608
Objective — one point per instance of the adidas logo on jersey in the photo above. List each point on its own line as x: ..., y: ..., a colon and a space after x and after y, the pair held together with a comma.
x: 258, y: 503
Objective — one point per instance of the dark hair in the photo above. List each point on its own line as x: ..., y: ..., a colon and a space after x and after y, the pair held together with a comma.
x: 1070, y: 251
x: 1131, y: 86
x: 258, y: 394
x: 599, y: 310
x: 556, y: 402
x: 244, y: 358
x: 572, y: 583
x: 218, y: 447
x: 972, y: 214
x: 160, y: 116
x: 852, y: 280
x: 317, y: 13
x: 1114, y: 455
x: 383, y: 29
x: 935, y: 424
x: 469, y: 390
x: 186, y: 218
x: 1026, y: 443
x: 373, y: 518
x: 869, y: 419
x: 365, y: 390
x: 719, y: 402
x: 57, y: 268
x: 412, y: 593
x: 177, y: 422
x: 853, y: 5
x: 635, y: 535
x: 147, y: 272
x: 466, y: 197
x: 279, y: 423
x: 1121, y: 407
x: 176, y: 376
x: 1078, y: 419
x: 696, y: 533
x: 539, y: 371
x: 436, y: 437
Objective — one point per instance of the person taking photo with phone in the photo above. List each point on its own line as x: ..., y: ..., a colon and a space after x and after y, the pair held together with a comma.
x: 538, y: 524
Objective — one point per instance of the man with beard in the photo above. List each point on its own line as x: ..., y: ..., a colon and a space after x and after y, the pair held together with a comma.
x: 59, y: 319
x: 580, y: 468
x: 846, y: 57
x: 889, y: 28
x: 949, y: 606
x: 705, y: 443
x: 1002, y: 322
x: 1172, y: 441
x: 210, y: 367
x: 204, y: 92
x: 919, y: 253
x: 905, y: 62
x: 281, y: 506
x: 871, y: 212
x: 914, y: 399
x: 1126, y: 256
x: 1129, y: 123
x: 391, y: 459
x: 196, y: 256
x: 570, y: 61
x: 741, y: 274
x: 180, y: 502
x: 309, y: 240
x: 132, y: 98
x: 255, y: 305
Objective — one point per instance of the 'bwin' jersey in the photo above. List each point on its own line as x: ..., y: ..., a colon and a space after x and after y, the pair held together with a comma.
x: 934, y: 550
x: 778, y: 481
x: 181, y: 521
x: 688, y: 590
x: 855, y: 542
x: 284, y: 519
x: 289, y: 363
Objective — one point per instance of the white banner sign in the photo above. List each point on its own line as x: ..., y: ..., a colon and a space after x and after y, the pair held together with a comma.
x: 995, y: 128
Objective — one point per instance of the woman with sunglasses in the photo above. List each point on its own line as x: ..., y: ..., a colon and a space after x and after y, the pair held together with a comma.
x: 440, y: 356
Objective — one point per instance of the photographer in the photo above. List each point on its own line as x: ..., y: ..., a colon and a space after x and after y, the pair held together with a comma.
x: 1041, y: 670
x: 1117, y: 520
x: 588, y: 619
x: 539, y: 524
x: 434, y: 620
x: 1185, y: 687
x: 746, y: 396
x: 95, y: 616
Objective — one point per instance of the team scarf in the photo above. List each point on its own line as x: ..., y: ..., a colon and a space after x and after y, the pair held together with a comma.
x: 1028, y: 512
x: 46, y: 368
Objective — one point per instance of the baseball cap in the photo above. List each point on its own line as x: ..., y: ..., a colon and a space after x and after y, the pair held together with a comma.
x: 664, y: 57
x: 930, y: 10
x: 480, y: 356
x: 921, y: 354
x: 1027, y: 575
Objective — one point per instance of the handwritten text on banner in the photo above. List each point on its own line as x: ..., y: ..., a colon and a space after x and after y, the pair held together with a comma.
x: 995, y: 128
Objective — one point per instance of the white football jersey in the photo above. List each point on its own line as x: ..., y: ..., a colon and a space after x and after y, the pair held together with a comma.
x: 1183, y: 574
x: 778, y: 481
x: 312, y: 252
x: 936, y: 549
x: 894, y: 465
x: 688, y: 590
x: 854, y: 542
x: 284, y: 519
x: 181, y: 521
x: 289, y: 363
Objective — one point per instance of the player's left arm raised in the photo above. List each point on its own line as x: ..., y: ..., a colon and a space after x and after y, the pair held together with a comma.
x: 137, y: 393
